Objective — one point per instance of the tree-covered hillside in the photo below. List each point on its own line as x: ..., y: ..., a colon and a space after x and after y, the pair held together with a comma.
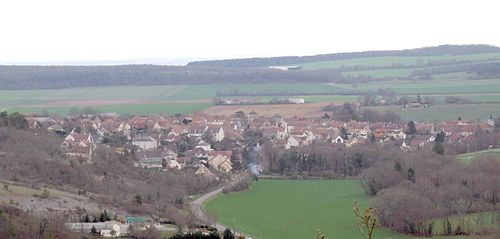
x: 291, y: 60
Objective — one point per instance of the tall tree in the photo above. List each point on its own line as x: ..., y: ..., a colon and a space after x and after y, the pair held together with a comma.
x: 412, y: 129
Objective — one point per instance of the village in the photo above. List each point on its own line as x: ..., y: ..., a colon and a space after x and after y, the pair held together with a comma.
x: 212, y: 146
x: 216, y: 142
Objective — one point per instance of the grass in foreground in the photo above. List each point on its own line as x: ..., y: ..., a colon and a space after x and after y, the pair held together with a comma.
x: 276, y: 209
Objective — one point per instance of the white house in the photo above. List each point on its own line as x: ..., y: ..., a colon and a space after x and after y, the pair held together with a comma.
x: 338, y: 140
x: 292, y: 142
x: 296, y: 100
x: 145, y: 142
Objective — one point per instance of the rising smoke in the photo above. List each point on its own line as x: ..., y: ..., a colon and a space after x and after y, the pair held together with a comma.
x: 253, y: 165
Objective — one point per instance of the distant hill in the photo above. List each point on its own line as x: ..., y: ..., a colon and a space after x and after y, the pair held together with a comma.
x: 291, y: 60
x: 451, y: 61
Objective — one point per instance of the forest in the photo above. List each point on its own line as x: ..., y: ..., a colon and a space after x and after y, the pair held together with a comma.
x: 253, y: 70
x: 55, y: 77
x: 290, y: 60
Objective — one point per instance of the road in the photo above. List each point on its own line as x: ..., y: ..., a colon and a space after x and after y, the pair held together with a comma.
x: 196, y: 207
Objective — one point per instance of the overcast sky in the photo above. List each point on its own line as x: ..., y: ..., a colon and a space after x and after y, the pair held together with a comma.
x: 65, y: 31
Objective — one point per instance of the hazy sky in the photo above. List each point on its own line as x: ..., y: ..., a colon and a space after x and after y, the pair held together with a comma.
x: 104, y: 30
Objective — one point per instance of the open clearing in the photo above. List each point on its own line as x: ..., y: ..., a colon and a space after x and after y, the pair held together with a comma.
x: 294, y: 209
x: 312, y: 110
x: 467, y: 158
x: 444, y: 112
x: 22, y: 197
x: 388, y: 61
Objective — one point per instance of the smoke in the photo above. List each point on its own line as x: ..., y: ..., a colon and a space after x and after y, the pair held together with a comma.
x: 254, y: 169
x: 253, y: 165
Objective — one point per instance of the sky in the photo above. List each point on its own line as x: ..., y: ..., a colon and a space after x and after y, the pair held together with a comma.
x: 177, y: 31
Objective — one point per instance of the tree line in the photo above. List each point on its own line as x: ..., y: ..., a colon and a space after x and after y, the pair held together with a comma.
x: 290, y: 60
x: 55, y: 77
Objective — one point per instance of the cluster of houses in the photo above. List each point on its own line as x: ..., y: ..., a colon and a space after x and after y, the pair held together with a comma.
x: 176, y: 142
x: 117, y: 228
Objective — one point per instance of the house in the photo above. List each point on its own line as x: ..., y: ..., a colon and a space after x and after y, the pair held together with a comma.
x: 78, y: 144
x: 274, y: 132
x: 199, y: 153
x: 338, y: 140
x: 205, y: 172
x: 106, y: 229
x: 221, y: 160
x: 196, y: 130
x: 40, y: 122
x: 358, y: 130
x: 174, y: 164
x: 145, y: 142
x: 216, y: 132
x: 296, y: 100
x: 151, y: 162
x: 203, y: 145
x: 292, y: 142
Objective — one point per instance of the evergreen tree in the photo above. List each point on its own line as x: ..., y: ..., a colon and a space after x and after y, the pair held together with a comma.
x: 440, y: 137
x: 372, y: 138
x: 411, y: 175
x: 137, y: 200
x: 228, y: 234
x: 438, y: 148
x: 412, y: 129
x: 397, y: 167
x: 86, y: 218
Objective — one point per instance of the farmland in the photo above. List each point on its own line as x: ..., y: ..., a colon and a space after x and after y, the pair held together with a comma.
x: 388, y: 61
x: 469, y: 157
x: 192, y: 98
x: 444, y: 112
x: 292, y: 209
x: 387, y: 72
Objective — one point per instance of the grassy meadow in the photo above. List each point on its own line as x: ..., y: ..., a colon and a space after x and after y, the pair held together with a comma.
x: 467, y: 158
x: 275, y: 209
x: 390, y: 61
x: 295, y: 209
x: 443, y: 112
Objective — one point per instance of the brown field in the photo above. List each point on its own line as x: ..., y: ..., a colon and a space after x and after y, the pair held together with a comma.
x: 313, y: 110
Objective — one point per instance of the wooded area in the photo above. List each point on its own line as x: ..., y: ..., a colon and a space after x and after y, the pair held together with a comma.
x: 290, y: 60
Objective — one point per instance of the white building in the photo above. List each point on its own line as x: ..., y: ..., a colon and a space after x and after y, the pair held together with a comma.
x: 296, y: 100
x: 145, y: 142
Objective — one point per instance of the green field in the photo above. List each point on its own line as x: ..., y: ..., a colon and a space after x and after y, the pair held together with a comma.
x: 191, y: 98
x: 467, y: 158
x: 444, y: 112
x: 389, y: 61
x: 140, y: 109
x: 293, y: 209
